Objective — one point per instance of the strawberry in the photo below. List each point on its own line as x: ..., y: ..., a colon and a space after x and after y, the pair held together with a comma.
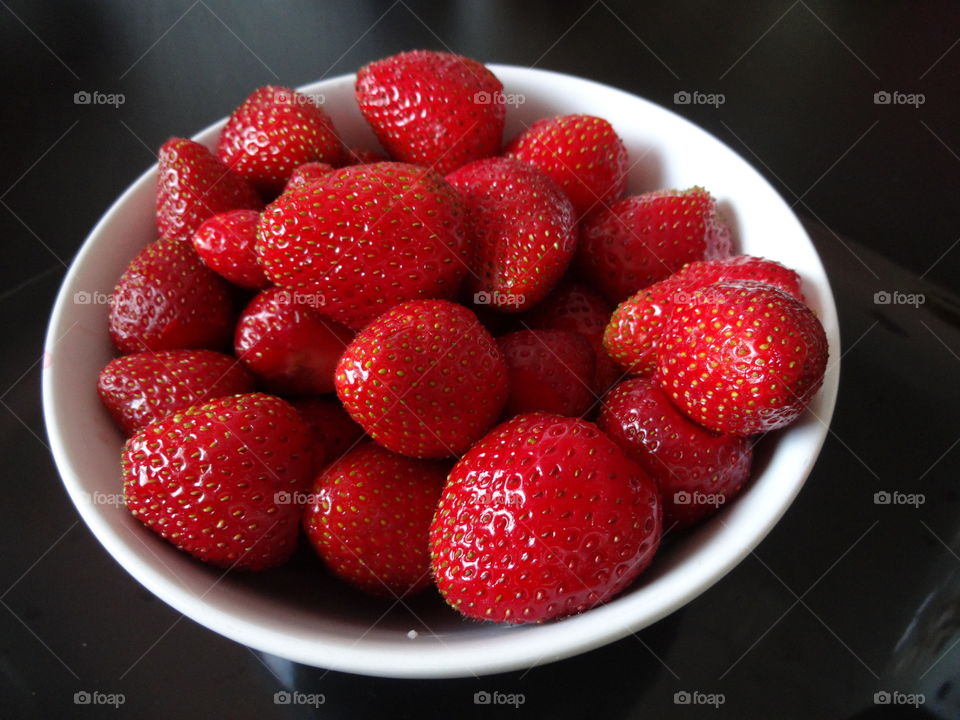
x: 216, y: 479
x: 696, y: 471
x: 546, y: 516
x: 168, y: 299
x: 550, y: 371
x: 281, y: 339
x: 193, y: 185
x: 644, y: 238
x: 273, y: 131
x: 433, y: 108
x: 742, y: 358
x: 522, y: 232
x: 143, y: 388
x: 307, y: 173
x: 334, y: 433
x: 365, y: 238
x: 361, y: 156
x: 634, y: 331
x: 582, y: 153
x: 225, y: 243
x: 369, y: 515
x: 424, y: 379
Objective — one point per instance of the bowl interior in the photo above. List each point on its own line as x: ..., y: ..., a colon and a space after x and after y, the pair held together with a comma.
x: 300, y: 613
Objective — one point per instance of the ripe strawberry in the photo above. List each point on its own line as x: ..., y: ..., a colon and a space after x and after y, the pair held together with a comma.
x: 644, y: 238
x: 168, y: 299
x: 369, y: 515
x: 433, y: 108
x: 582, y: 153
x: 273, y: 131
x: 550, y: 371
x: 143, y: 388
x: 307, y: 173
x: 696, y: 471
x: 281, y: 339
x: 742, y: 358
x: 225, y: 243
x: 634, y: 331
x: 362, y: 156
x: 216, y: 479
x: 193, y: 185
x: 424, y: 379
x: 544, y: 517
x: 334, y: 433
x: 365, y: 238
x: 522, y: 232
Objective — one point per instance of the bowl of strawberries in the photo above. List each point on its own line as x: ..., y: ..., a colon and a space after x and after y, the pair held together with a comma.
x: 439, y: 369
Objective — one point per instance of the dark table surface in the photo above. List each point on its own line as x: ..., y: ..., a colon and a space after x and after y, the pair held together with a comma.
x: 846, y: 598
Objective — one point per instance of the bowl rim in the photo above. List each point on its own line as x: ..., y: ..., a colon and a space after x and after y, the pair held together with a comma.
x: 534, y: 645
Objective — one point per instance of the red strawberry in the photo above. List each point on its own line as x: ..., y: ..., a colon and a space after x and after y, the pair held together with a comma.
x: 433, y: 108
x: 216, y: 480
x: 146, y: 387
x: 193, y: 185
x: 742, y: 358
x: 225, y: 243
x: 334, y: 433
x: 273, y: 131
x: 636, y: 325
x: 550, y: 371
x: 544, y: 517
x: 644, y: 238
x: 424, y: 379
x: 369, y: 516
x: 522, y: 230
x: 168, y: 299
x: 361, y: 156
x: 307, y: 173
x: 696, y: 471
x: 365, y: 238
x: 582, y: 153
x: 281, y: 339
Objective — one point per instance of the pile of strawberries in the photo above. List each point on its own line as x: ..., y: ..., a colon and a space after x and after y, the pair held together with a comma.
x: 397, y: 358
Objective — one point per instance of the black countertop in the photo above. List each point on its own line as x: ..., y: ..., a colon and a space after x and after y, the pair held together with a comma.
x: 846, y: 598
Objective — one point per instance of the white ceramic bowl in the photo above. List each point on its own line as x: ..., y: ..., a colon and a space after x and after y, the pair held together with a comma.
x: 301, y: 614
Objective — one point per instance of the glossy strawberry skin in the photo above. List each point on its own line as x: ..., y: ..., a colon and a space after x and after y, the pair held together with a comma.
x: 582, y: 153
x: 433, y: 108
x: 225, y: 243
x: 168, y: 299
x: 220, y: 480
x: 544, y: 517
x: 272, y: 132
x: 307, y: 173
x: 146, y: 387
x: 334, y: 432
x: 193, y: 185
x: 521, y: 228
x: 366, y: 238
x: 742, y: 358
x: 642, y: 239
x: 424, y: 379
x: 369, y: 515
x: 740, y: 267
x: 292, y: 348
x: 696, y: 471
x: 550, y: 371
